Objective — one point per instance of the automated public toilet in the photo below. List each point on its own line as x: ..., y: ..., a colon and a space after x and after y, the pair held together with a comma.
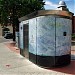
x: 45, y: 36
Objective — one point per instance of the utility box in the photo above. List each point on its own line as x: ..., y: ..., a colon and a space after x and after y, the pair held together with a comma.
x: 49, y: 35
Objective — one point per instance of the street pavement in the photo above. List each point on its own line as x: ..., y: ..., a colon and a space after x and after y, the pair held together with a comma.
x: 2, y: 39
x: 12, y: 63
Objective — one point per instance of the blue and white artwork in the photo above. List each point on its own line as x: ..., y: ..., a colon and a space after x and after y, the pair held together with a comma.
x: 63, y: 43
x: 46, y: 36
x: 32, y: 36
x: 21, y: 35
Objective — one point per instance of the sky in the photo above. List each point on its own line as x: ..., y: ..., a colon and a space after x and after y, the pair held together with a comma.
x: 53, y: 4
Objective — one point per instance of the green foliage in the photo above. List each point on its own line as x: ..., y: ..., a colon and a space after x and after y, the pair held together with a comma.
x: 12, y: 9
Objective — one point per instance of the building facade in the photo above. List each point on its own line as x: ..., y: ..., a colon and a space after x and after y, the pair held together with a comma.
x: 10, y: 28
x: 73, y: 25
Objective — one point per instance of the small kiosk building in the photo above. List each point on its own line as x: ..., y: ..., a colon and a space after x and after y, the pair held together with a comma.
x: 45, y: 36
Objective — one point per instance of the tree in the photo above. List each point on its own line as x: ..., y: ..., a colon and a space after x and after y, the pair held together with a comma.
x: 11, y: 10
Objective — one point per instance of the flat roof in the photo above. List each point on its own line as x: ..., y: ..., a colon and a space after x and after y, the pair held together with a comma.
x: 46, y: 12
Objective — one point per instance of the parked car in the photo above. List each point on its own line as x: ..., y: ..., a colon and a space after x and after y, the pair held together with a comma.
x: 8, y: 36
x: 5, y: 30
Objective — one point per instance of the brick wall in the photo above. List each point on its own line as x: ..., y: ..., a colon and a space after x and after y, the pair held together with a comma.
x: 73, y: 24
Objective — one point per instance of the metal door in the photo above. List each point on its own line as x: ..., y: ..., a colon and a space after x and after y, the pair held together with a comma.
x: 26, y: 40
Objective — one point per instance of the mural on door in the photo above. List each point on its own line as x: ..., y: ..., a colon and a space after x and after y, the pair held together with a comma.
x: 63, y: 36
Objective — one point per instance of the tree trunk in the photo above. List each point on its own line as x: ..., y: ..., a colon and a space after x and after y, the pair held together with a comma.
x: 13, y: 32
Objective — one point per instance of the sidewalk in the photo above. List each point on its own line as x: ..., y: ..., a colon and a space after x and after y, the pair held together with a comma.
x: 12, y: 63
